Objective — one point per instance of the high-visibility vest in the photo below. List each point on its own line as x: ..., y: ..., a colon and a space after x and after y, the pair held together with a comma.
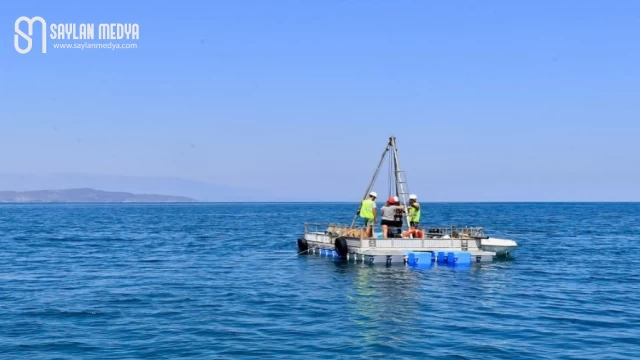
x: 366, y: 209
x: 414, y: 214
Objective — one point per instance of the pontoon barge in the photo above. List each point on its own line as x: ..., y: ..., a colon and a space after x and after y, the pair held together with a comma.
x: 351, y: 242
x: 328, y: 239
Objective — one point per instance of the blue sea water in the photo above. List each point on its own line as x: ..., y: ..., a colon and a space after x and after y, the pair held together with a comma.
x: 209, y: 281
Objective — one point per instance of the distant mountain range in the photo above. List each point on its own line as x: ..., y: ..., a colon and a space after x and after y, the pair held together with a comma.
x: 202, y: 191
x: 85, y: 195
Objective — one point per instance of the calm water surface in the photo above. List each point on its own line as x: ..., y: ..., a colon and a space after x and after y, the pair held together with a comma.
x: 222, y: 281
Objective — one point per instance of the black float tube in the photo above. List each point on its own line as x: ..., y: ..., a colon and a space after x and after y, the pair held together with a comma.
x: 303, y: 246
x: 341, y: 246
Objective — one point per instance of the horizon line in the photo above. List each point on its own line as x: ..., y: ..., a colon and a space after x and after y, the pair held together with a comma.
x: 323, y: 202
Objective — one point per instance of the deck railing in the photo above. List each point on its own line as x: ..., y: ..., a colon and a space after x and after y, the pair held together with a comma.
x: 428, y: 232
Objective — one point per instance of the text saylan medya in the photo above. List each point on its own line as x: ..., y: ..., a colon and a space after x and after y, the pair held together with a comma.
x: 71, y: 31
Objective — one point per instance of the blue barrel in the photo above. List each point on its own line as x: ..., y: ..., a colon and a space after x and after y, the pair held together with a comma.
x: 420, y: 259
x: 459, y: 258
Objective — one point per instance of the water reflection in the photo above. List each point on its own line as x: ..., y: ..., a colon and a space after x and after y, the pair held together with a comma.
x: 379, y: 295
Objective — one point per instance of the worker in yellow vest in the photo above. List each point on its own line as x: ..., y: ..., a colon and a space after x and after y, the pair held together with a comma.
x: 414, y: 211
x: 368, y: 212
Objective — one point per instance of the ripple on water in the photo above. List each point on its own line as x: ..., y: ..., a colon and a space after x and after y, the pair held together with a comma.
x: 223, y: 281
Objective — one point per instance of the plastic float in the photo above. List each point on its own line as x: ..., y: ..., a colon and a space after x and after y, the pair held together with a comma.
x: 419, y: 247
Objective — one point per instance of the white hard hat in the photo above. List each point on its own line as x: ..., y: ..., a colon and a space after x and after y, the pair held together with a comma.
x: 396, y: 199
x: 413, y: 197
x: 373, y: 193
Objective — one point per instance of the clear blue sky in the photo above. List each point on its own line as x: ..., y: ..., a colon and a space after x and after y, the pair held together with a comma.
x: 490, y: 100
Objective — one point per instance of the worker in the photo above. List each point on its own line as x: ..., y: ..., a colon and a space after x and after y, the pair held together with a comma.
x: 388, y: 212
x: 368, y: 212
x: 414, y: 211
x: 398, y: 216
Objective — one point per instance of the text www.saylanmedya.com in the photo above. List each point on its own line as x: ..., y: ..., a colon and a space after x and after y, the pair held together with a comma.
x: 86, y: 45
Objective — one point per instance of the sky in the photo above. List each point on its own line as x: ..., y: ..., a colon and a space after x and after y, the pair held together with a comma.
x: 489, y: 101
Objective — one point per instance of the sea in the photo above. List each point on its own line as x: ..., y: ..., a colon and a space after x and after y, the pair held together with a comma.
x: 225, y: 281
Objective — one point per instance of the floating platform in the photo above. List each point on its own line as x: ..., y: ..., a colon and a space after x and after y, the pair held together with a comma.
x: 442, y: 245
x: 411, y: 258
x: 405, y: 240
